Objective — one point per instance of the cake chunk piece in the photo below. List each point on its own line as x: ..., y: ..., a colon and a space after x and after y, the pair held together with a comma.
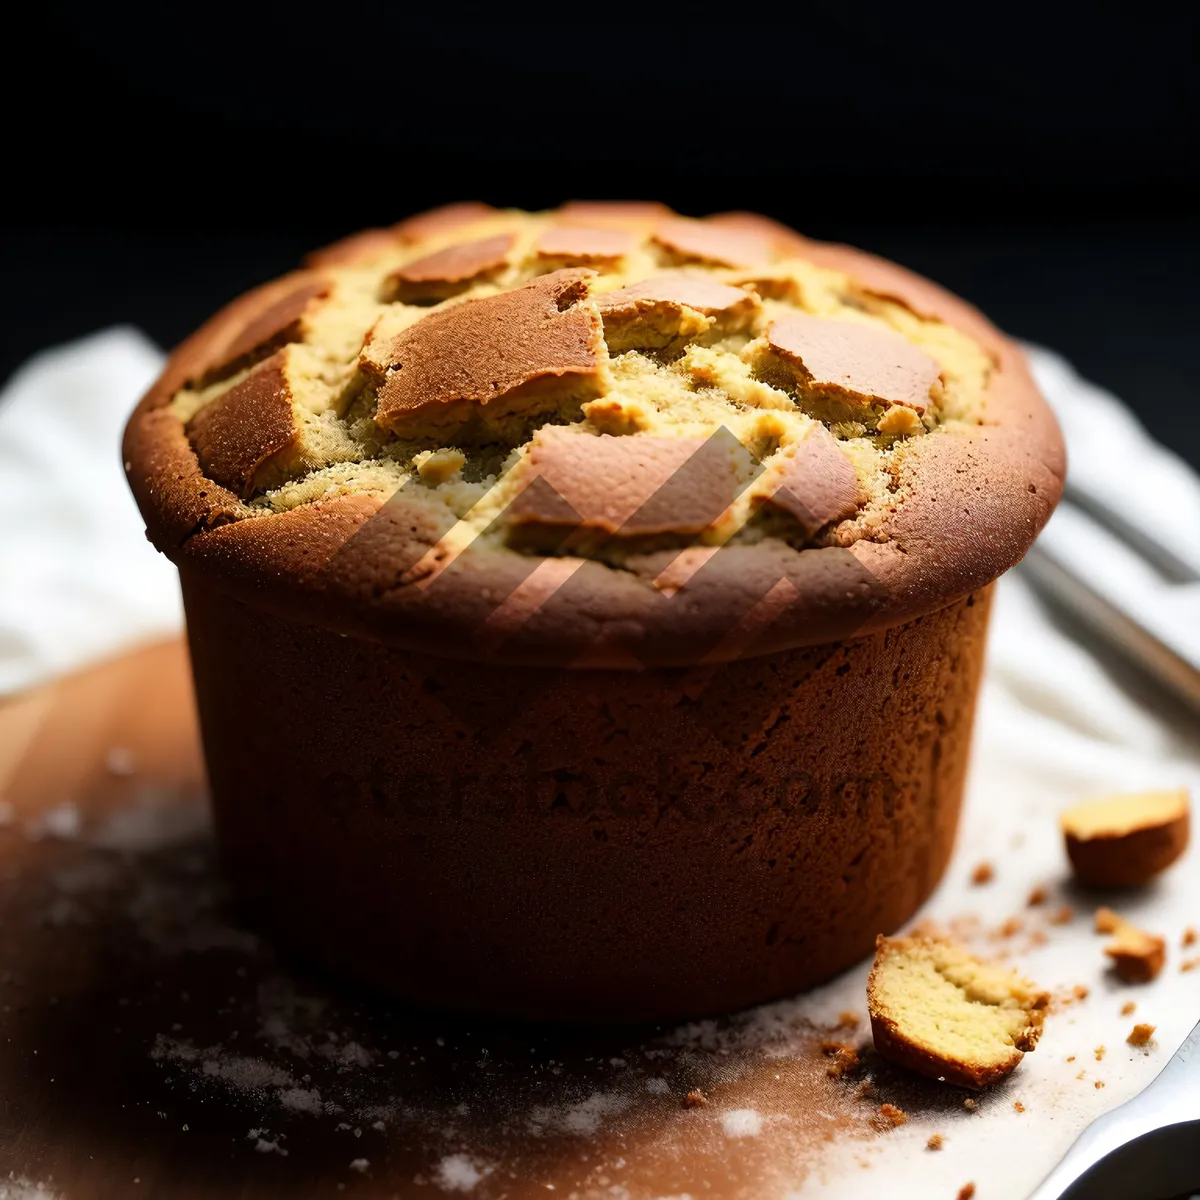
x: 268, y: 424
x: 280, y: 322
x: 673, y: 308
x: 536, y: 349
x: 941, y: 1012
x: 1137, y: 956
x: 844, y: 370
x: 446, y: 272
x: 1124, y: 841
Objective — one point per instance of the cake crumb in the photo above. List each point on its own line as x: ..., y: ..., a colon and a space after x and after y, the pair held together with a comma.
x: 1107, y: 921
x: 1080, y: 991
x: 1039, y: 895
x: 1189, y: 964
x: 1100, y: 1052
x: 889, y: 1117
x: 1190, y: 936
x: 1062, y: 916
x: 1018, y: 1106
x: 1070, y: 1058
x: 936, y: 1142
x: 1010, y: 928
x: 844, y: 1056
x: 695, y: 1099
x: 970, y: 1104
x: 966, y: 1192
x: 360, y: 1165
x: 922, y: 993
x: 1098, y: 1084
x: 1125, y: 840
x: 848, y: 1020
x: 1137, y: 956
x: 1140, y: 1034
x: 1128, y: 1008
x: 983, y: 873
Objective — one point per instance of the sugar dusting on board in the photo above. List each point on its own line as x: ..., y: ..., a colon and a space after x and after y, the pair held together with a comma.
x: 337, y: 1085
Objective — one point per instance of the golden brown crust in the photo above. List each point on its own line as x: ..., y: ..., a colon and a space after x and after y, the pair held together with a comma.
x: 487, y: 354
x: 272, y: 327
x: 969, y: 502
x: 689, y: 241
x: 864, y: 365
x: 815, y: 482
x: 577, y: 245
x: 897, y: 1043
x: 247, y: 426
x: 627, y: 486
x: 652, y: 313
x: 450, y: 270
x: 615, y: 214
x: 436, y: 221
x: 1134, y: 849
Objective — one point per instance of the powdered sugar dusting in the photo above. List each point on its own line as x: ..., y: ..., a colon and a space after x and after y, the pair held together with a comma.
x: 63, y: 821
x: 458, y: 1173
x: 741, y: 1123
x: 17, y: 1187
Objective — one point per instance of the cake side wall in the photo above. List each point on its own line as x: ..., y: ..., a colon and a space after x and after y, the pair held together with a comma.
x: 539, y: 842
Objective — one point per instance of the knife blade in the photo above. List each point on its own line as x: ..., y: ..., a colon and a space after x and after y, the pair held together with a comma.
x: 1146, y: 1149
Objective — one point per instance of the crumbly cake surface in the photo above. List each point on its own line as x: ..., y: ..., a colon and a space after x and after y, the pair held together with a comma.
x: 609, y: 384
x: 937, y: 1009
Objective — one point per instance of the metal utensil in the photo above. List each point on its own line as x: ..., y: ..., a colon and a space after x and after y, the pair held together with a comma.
x: 1147, y: 1148
x: 1145, y: 602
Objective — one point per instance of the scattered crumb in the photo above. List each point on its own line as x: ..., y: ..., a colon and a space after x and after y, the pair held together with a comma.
x: 1127, y: 1008
x: 695, y: 1099
x: 848, y: 1020
x: 889, y: 1116
x: 1137, y: 956
x: 865, y: 1090
x: 1140, y: 1034
x: 1107, y: 921
x: 970, y: 1103
x: 1100, y: 1052
x: 1010, y: 928
x: 1190, y: 936
x: 1018, y: 1106
x: 1038, y: 938
x: 844, y: 1058
x: 966, y: 1192
x: 1039, y: 895
x: 1098, y: 1084
x: 1070, y: 1058
x: 936, y: 1142
x: 1062, y: 916
x: 360, y: 1165
x: 1080, y: 992
x: 983, y: 873
x: 1189, y: 964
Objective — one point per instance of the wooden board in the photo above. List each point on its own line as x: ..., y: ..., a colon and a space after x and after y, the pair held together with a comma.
x: 151, y: 1046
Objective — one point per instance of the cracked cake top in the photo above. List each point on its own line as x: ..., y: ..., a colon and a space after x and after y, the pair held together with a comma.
x: 602, y: 435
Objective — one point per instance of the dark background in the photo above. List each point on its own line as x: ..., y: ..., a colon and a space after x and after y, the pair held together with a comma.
x: 1041, y: 162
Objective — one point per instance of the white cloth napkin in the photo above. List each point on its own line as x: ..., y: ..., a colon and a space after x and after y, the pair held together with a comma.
x: 79, y: 580
x: 1056, y: 724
